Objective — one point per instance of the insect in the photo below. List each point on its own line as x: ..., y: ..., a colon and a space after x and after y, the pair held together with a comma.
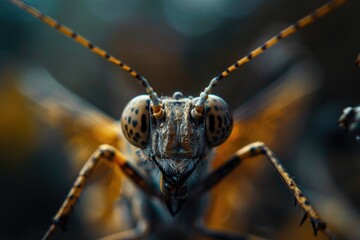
x: 174, y: 136
x: 350, y: 120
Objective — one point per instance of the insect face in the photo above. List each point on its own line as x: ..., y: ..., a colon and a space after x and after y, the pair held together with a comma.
x: 176, y: 143
x: 175, y: 134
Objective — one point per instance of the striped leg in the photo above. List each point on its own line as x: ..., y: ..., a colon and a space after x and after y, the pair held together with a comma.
x: 104, y: 152
x: 253, y: 150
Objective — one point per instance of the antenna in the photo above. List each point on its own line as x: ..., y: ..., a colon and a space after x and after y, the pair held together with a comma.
x: 318, y: 13
x: 156, y: 105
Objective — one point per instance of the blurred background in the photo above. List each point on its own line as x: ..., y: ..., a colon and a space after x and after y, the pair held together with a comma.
x: 180, y: 46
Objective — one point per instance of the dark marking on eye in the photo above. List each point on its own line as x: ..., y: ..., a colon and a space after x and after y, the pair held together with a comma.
x: 218, y: 132
x: 129, y: 120
x: 216, y: 108
x: 126, y: 127
x: 220, y: 121
x: 307, y: 203
x: 222, y: 135
x: 207, y: 109
x: 143, y: 123
x: 225, y: 121
x: 223, y: 130
x: 132, y: 109
x: 136, y: 111
x: 215, y: 138
x: 134, y: 123
x: 131, y: 132
x: 227, y: 128
x: 143, y: 143
x: 135, y: 139
x: 212, y: 123
x: 137, y: 135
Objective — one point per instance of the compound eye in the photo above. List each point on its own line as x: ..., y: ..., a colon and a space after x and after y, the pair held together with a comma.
x: 135, y: 121
x: 219, y: 120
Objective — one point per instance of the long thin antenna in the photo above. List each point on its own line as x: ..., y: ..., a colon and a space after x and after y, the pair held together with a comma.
x: 318, y: 13
x: 156, y: 105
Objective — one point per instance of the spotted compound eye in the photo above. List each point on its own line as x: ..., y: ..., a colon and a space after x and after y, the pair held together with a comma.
x: 219, y: 120
x: 135, y: 121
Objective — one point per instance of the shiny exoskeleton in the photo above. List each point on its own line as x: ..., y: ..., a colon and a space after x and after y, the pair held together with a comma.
x: 177, y: 142
x: 174, y: 136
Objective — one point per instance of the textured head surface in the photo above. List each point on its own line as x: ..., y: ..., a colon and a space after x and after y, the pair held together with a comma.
x: 177, y: 142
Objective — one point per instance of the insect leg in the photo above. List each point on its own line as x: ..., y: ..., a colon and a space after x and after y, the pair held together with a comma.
x: 138, y: 232
x: 143, y: 223
x: 253, y: 150
x: 214, y: 234
x: 112, y: 155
